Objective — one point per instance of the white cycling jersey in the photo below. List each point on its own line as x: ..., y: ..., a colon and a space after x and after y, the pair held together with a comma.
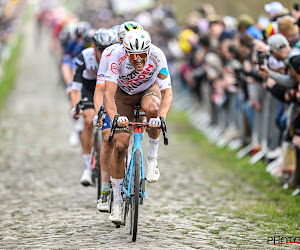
x: 132, y: 81
x: 86, y: 70
x: 104, y: 64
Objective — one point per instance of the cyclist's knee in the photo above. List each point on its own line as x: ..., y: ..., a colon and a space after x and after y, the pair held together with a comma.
x: 153, y: 109
x: 88, y: 124
x: 120, y: 147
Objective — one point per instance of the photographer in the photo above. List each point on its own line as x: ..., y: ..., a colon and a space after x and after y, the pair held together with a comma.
x: 279, y: 48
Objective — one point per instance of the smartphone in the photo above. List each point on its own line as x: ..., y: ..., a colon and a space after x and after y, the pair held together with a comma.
x: 296, y: 6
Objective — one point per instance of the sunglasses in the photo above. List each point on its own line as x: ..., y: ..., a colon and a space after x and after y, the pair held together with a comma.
x: 135, y: 56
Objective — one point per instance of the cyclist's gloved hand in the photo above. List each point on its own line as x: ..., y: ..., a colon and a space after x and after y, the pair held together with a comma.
x: 123, y: 121
x: 74, y: 115
x: 154, y: 122
x: 96, y: 123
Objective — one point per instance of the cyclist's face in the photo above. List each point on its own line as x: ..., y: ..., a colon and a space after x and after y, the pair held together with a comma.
x: 138, y: 61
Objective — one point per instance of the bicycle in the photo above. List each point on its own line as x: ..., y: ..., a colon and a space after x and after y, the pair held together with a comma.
x: 133, y: 190
x: 96, y: 169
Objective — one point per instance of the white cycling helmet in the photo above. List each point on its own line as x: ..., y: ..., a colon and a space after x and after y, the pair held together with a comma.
x: 128, y: 26
x: 103, y: 38
x: 137, y: 41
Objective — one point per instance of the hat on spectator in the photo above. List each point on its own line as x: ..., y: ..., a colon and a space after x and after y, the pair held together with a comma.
x: 287, y: 26
x: 274, y: 7
x: 245, y: 21
x: 277, y: 42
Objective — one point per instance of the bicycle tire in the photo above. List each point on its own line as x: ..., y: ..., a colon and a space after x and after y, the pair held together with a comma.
x: 135, y: 198
x: 98, y: 146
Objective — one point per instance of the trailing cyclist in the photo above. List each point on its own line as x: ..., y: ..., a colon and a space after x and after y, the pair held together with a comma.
x: 137, y: 73
x: 106, y: 150
x: 72, y: 49
x: 83, y: 87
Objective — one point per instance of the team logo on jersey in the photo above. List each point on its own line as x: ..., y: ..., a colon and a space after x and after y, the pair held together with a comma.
x: 101, y: 77
x: 114, y: 68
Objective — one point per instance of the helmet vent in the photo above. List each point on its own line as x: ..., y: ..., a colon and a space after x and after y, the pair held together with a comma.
x: 137, y: 43
x: 131, y: 46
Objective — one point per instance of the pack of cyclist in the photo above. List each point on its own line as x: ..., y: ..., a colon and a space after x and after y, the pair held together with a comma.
x: 120, y: 68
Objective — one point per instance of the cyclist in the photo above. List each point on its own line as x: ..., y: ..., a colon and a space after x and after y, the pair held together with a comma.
x: 71, y: 50
x: 106, y: 150
x: 137, y: 73
x: 83, y: 86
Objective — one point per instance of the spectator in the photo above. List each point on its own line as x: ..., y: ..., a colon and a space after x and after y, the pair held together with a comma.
x: 288, y: 28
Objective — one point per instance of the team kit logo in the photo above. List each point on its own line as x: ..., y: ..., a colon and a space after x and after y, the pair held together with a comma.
x: 114, y: 68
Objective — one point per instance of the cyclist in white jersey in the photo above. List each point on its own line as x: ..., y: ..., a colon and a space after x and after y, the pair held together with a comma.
x: 137, y: 73
x: 83, y: 87
x: 106, y: 150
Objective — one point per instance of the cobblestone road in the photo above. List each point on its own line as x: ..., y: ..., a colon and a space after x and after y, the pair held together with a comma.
x: 43, y: 205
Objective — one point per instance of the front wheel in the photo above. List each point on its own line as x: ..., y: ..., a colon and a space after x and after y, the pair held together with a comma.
x: 134, y: 211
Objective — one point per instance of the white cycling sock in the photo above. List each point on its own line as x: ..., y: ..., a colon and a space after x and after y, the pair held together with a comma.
x: 87, y: 159
x: 117, y: 186
x: 153, y: 147
x: 105, y: 186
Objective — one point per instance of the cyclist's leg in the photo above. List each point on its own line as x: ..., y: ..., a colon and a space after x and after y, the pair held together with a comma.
x: 105, y: 162
x: 74, y: 139
x: 125, y: 105
x: 150, y: 102
x: 87, y: 136
x: 121, y: 142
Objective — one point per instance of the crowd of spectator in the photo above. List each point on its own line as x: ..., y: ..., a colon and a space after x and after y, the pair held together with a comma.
x: 244, y: 74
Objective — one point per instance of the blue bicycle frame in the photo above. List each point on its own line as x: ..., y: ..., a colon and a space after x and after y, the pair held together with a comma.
x: 129, y: 173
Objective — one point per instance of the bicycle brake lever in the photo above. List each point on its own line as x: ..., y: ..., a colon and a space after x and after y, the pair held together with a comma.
x: 100, y: 113
x: 113, y: 128
x: 164, y: 130
x: 78, y: 107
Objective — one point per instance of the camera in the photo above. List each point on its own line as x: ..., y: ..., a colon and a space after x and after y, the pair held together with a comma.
x: 259, y: 58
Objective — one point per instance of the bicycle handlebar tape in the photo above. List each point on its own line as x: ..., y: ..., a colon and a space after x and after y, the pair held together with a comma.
x: 163, y: 127
x: 113, y: 128
x: 101, y: 113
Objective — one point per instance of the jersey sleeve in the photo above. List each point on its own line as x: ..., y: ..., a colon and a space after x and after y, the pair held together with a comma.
x: 102, y: 69
x: 80, y: 67
x: 163, y: 75
x: 113, y: 68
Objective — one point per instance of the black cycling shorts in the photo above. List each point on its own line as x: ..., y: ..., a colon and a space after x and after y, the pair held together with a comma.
x: 87, y: 97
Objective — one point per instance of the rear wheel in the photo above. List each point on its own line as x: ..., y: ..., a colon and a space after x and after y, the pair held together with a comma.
x: 134, y: 211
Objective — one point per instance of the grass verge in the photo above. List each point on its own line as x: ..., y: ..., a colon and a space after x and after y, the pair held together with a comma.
x: 272, y: 204
x: 10, y: 71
